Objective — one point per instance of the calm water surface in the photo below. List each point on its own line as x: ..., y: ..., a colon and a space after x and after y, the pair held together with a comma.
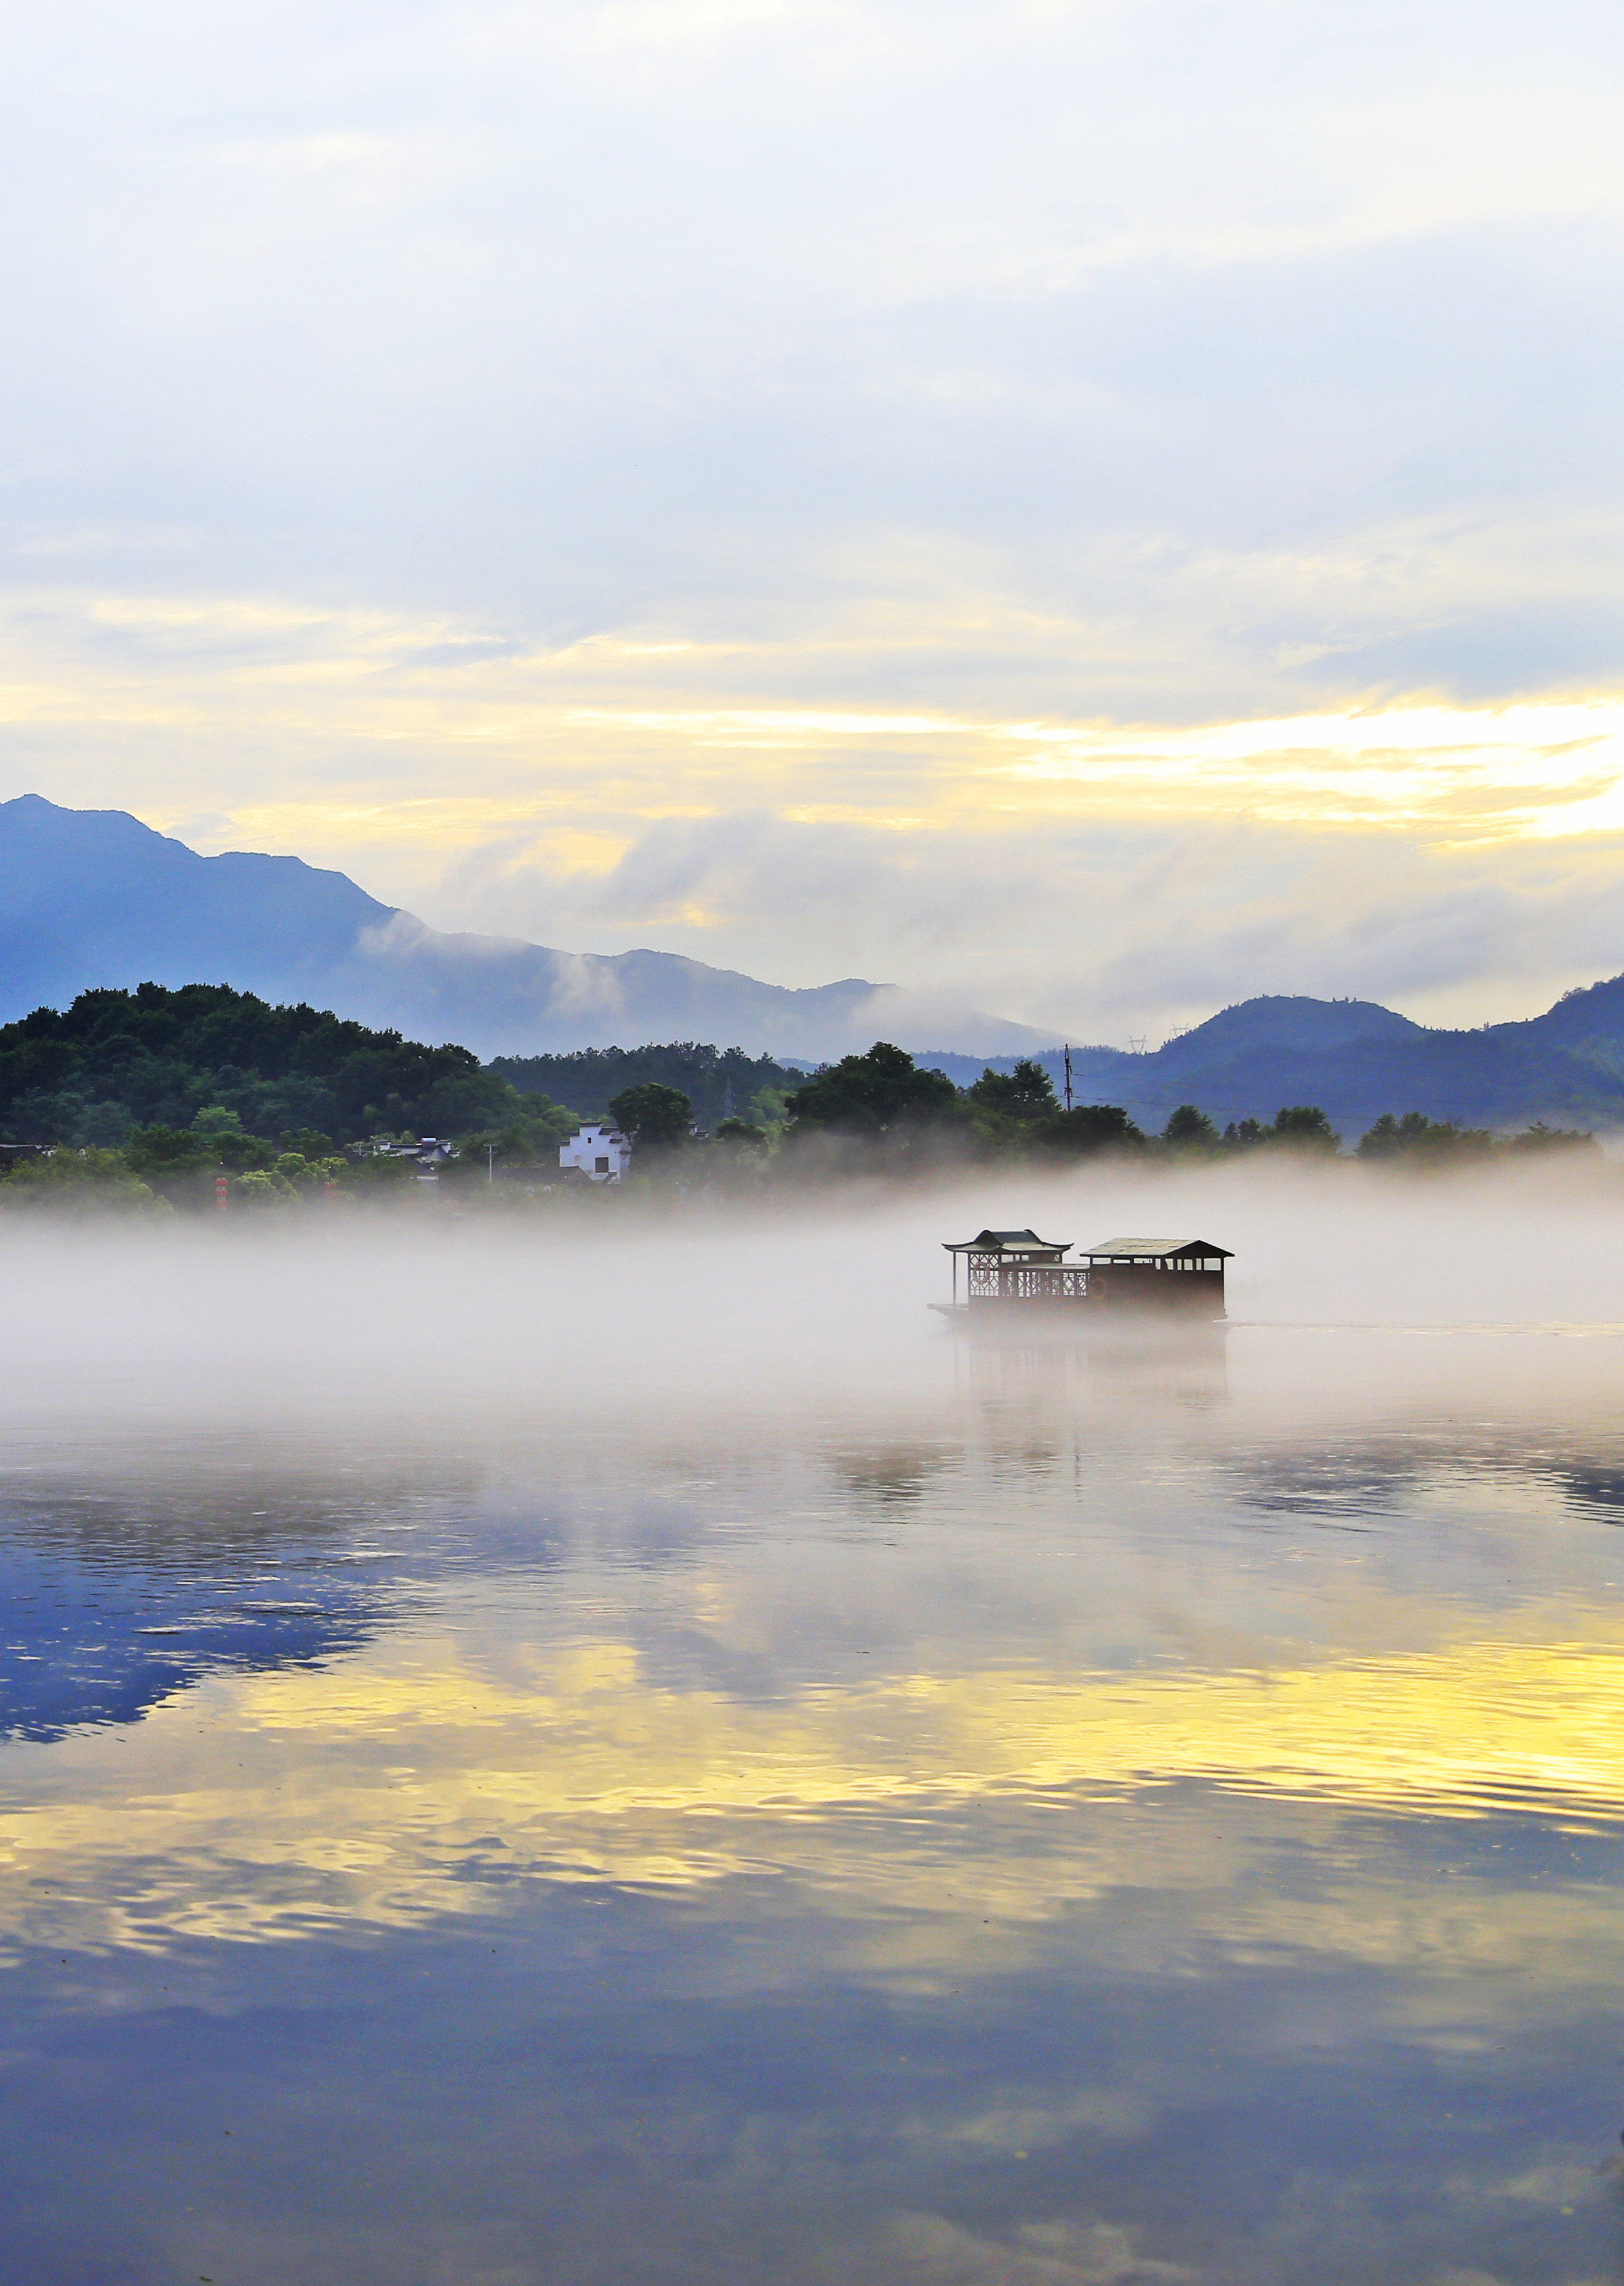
x: 1094, y: 1818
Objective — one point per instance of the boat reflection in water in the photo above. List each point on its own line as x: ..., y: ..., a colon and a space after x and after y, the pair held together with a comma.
x: 1132, y: 1318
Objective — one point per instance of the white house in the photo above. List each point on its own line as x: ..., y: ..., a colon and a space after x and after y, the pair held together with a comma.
x: 599, y: 1151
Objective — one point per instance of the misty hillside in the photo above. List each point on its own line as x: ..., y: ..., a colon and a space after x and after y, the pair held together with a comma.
x: 95, y: 898
x: 1356, y: 1059
x: 1282, y: 1020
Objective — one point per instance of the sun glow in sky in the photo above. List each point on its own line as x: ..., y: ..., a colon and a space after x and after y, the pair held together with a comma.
x: 1103, y: 508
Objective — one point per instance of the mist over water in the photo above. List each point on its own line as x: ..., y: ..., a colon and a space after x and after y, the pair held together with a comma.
x: 426, y: 1315
x: 626, y: 1750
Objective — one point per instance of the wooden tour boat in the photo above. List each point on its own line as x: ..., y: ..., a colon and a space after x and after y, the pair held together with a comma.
x: 1015, y: 1274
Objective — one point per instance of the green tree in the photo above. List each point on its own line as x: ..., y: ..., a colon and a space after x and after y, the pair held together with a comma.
x: 741, y: 1136
x: 79, y: 1182
x: 547, y: 1124
x: 1089, y: 1128
x: 1539, y: 1138
x: 115, y: 1061
x: 1415, y: 1140
x: 588, y: 1077
x: 1304, y: 1127
x: 653, y: 1116
x: 262, y: 1186
x: 873, y: 1094
x: 240, y: 1154
x: 769, y: 1106
x: 181, y: 1163
x: 1025, y: 1093
x: 521, y: 1148
x: 1190, y: 1129
x: 155, y: 1152
x: 308, y: 1174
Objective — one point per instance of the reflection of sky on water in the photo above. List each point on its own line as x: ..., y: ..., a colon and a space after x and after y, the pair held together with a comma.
x: 118, y: 1592
x: 88, y: 1642
x: 1055, y: 1835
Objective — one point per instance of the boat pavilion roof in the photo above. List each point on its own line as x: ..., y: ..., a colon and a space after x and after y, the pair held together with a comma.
x: 1006, y: 1242
x: 1153, y: 1250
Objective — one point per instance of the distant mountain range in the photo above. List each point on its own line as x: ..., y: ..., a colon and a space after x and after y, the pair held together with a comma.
x: 90, y: 897
x: 94, y: 897
x: 1356, y: 1059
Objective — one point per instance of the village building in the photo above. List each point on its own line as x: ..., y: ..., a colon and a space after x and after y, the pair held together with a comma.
x: 429, y: 1154
x: 598, y: 1151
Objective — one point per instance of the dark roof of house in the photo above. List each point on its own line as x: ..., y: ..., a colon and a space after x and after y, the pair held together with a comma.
x: 1153, y: 1250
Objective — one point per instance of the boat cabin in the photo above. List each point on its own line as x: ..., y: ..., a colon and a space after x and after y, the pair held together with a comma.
x: 1018, y: 1266
x: 1185, y: 1274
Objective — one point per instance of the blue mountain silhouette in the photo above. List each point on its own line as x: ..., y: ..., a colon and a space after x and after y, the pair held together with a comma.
x: 94, y: 897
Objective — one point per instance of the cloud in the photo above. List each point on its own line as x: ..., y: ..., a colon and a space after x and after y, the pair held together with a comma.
x: 441, y: 424
x: 1094, y: 929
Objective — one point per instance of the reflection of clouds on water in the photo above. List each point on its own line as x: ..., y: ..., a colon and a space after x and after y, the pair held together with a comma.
x: 1024, y: 1838
x: 932, y: 2252
x: 1596, y: 1486
x: 409, y: 1785
x: 1486, y: 1468
x: 120, y: 1588
x: 90, y: 1645
x: 117, y: 1596
x: 610, y: 2085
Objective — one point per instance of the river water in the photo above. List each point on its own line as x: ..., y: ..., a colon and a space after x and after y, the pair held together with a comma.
x: 1028, y: 1815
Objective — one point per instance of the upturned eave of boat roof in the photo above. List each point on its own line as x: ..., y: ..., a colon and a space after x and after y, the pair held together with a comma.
x: 1005, y: 1241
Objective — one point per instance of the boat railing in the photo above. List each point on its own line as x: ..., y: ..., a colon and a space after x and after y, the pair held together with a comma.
x: 1009, y: 1282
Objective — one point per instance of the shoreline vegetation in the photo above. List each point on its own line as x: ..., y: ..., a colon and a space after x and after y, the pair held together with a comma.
x: 159, y: 1101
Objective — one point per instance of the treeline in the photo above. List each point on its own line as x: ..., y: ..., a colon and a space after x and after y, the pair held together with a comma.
x: 1415, y: 1141
x: 882, y: 1109
x: 717, y: 1082
x: 114, y: 1061
x: 149, y: 1098
x: 1410, y: 1140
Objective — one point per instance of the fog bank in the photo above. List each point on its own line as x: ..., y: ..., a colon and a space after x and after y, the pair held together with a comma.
x: 431, y: 1320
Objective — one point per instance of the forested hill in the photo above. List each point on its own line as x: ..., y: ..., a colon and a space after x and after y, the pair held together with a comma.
x: 1358, y: 1060
x: 155, y: 1058
x: 588, y: 1078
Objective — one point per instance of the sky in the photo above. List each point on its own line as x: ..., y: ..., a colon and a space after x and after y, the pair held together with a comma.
x: 1101, y: 508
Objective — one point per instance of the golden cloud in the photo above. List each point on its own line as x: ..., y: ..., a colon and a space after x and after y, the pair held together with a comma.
x: 604, y: 733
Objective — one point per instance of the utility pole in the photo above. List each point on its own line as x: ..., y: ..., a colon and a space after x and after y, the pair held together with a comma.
x: 1067, y: 1055
x: 490, y: 1162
